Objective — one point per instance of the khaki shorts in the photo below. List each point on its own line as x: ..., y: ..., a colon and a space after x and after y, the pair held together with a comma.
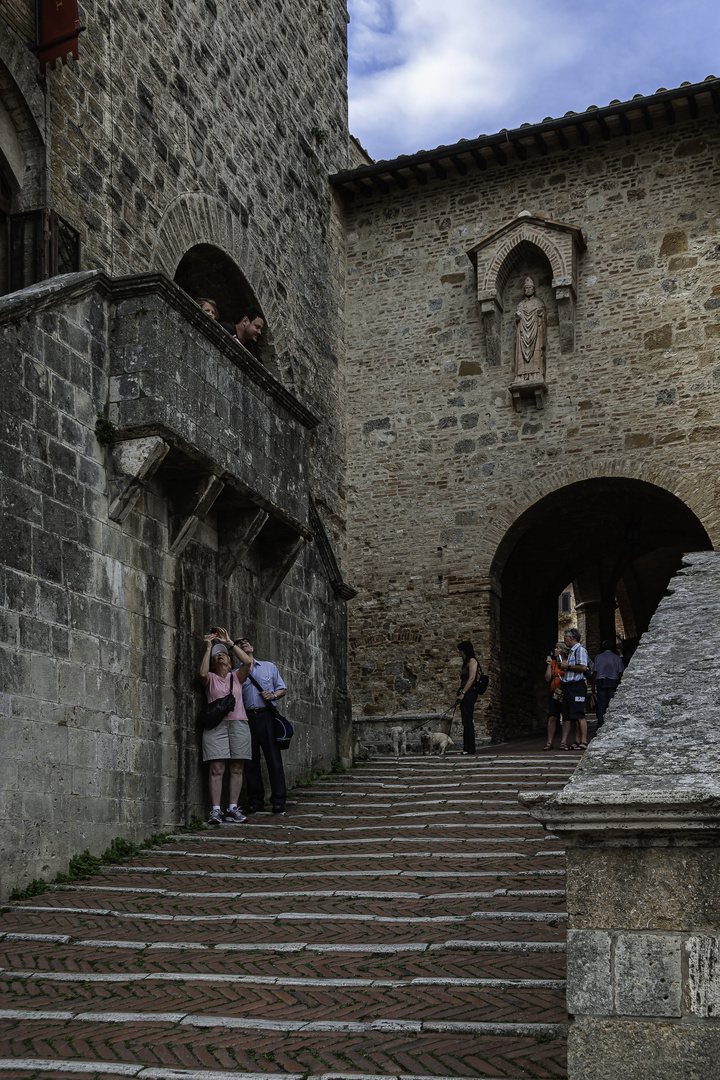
x: 229, y: 740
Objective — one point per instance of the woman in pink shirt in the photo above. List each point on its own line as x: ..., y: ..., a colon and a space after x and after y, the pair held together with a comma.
x: 230, y: 740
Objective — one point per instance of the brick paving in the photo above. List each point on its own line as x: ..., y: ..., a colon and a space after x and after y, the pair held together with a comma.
x: 406, y: 919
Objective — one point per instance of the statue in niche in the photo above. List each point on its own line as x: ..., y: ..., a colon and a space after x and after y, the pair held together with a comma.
x: 530, y: 327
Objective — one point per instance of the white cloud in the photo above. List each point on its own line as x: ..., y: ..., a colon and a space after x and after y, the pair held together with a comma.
x: 424, y: 73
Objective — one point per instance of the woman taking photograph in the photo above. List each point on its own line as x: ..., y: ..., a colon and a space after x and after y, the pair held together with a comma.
x: 467, y: 694
x: 554, y: 676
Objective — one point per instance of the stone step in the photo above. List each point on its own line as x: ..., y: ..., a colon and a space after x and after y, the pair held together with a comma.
x: 381, y: 941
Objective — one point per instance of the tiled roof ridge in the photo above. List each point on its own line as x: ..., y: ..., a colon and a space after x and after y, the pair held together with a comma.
x: 711, y: 84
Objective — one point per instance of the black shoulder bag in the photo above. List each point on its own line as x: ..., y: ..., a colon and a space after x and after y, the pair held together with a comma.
x: 215, y: 711
x: 284, y: 730
x: 482, y: 681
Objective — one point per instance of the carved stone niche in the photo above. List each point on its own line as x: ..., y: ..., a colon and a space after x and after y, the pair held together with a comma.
x: 534, y: 240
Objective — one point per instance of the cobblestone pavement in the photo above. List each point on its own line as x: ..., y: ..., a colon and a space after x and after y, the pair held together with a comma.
x: 406, y: 919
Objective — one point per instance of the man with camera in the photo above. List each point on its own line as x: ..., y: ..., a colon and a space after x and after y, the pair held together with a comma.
x: 228, y: 742
x: 263, y: 686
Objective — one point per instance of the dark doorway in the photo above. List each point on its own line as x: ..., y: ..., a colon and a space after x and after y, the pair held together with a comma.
x: 205, y: 270
x: 619, y: 541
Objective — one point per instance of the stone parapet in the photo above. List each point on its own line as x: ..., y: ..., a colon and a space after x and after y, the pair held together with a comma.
x: 641, y: 822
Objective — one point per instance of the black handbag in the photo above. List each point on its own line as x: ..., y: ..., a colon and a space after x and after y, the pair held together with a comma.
x: 482, y: 681
x: 284, y: 730
x: 215, y: 711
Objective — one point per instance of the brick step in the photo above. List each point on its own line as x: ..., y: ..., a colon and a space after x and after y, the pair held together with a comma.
x: 497, y: 858
x: 175, y: 878
x: 301, y: 999
x: 421, y: 962
x: 507, y: 1051
x: 323, y: 929
x: 352, y: 907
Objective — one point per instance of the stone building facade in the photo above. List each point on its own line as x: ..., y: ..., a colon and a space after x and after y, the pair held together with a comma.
x: 190, y: 143
x: 476, y: 496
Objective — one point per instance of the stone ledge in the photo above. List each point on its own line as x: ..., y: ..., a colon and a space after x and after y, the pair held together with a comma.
x: 67, y: 287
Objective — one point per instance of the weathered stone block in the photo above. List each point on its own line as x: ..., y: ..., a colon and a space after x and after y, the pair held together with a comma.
x: 647, y: 974
x: 642, y: 1050
x: 702, y: 993
x: 589, y: 978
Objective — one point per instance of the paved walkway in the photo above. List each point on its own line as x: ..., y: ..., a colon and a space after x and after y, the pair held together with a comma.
x: 405, y: 919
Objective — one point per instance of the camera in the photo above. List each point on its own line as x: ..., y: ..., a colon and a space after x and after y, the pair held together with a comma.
x: 213, y: 629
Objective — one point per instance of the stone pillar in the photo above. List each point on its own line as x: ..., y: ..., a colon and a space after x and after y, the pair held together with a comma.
x: 597, y: 620
x: 641, y: 823
x: 491, y: 315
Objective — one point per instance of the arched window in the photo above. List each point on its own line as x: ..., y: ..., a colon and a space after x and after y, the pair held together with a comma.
x: 206, y: 270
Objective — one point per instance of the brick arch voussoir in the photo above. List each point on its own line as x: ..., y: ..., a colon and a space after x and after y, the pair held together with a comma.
x: 526, y: 234
x: 696, y: 492
x: 197, y: 218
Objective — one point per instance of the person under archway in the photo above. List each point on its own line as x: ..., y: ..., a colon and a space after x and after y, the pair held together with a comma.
x: 554, y: 676
x: 576, y: 668
x: 467, y: 695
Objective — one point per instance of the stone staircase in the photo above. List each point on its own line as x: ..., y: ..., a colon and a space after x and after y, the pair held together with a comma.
x: 404, y: 919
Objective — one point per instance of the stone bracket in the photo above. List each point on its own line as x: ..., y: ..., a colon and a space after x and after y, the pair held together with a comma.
x: 532, y: 391
x: 341, y: 588
x: 276, y: 561
x: 134, y: 463
x: 187, y: 517
x: 238, y: 530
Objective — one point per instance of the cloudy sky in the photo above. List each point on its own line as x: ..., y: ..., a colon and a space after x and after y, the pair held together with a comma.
x: 427, y: 72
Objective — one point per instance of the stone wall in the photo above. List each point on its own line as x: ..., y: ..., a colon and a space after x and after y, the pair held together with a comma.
x: 446, y: 476
x: 641, y: 822
x: 205, y: 124
x: 117, y: 559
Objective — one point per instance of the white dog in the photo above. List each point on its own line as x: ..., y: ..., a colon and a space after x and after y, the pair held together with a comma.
x: 399, y: 740
x: 425, y: 741
x: 439, y: 742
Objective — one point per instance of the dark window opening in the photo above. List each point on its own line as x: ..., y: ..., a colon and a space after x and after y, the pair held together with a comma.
x: 35, y: 246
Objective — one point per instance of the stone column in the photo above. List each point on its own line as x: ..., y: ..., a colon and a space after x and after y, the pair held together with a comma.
x: 641, y: 823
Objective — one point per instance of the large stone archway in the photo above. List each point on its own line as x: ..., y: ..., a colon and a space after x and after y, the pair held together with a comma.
x: 619, y: 539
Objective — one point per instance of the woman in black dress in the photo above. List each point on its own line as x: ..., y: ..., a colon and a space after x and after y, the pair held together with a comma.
x: 467, y: 694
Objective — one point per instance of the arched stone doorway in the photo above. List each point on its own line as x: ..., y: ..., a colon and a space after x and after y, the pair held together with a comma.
x: 618, y: 540
x: 206, y: 270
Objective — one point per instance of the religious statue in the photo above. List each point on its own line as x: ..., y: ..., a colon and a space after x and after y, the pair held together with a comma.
x: 530, y: 324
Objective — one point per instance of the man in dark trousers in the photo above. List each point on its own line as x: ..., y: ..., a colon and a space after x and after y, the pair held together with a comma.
x: 261, y: 717
x: 608, y: 672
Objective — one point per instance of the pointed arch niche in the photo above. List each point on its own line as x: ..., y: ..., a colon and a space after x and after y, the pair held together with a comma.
x: 547, y: 250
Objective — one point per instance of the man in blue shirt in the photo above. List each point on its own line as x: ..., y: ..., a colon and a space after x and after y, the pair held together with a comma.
x: 574, y: 685
x: 261, y: 718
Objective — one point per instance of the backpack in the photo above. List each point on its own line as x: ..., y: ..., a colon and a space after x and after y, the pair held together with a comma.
x: 482, y: 681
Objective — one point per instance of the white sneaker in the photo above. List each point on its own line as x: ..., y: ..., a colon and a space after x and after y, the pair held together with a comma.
x: 234, y: 817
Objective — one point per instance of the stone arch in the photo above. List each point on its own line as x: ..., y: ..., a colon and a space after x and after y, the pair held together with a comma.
x: 22, y: 147
x: 617, y: 530
x: 207, y: 270
x: 697, y: 491
x: 518, y: 243
x: 196, y: 220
